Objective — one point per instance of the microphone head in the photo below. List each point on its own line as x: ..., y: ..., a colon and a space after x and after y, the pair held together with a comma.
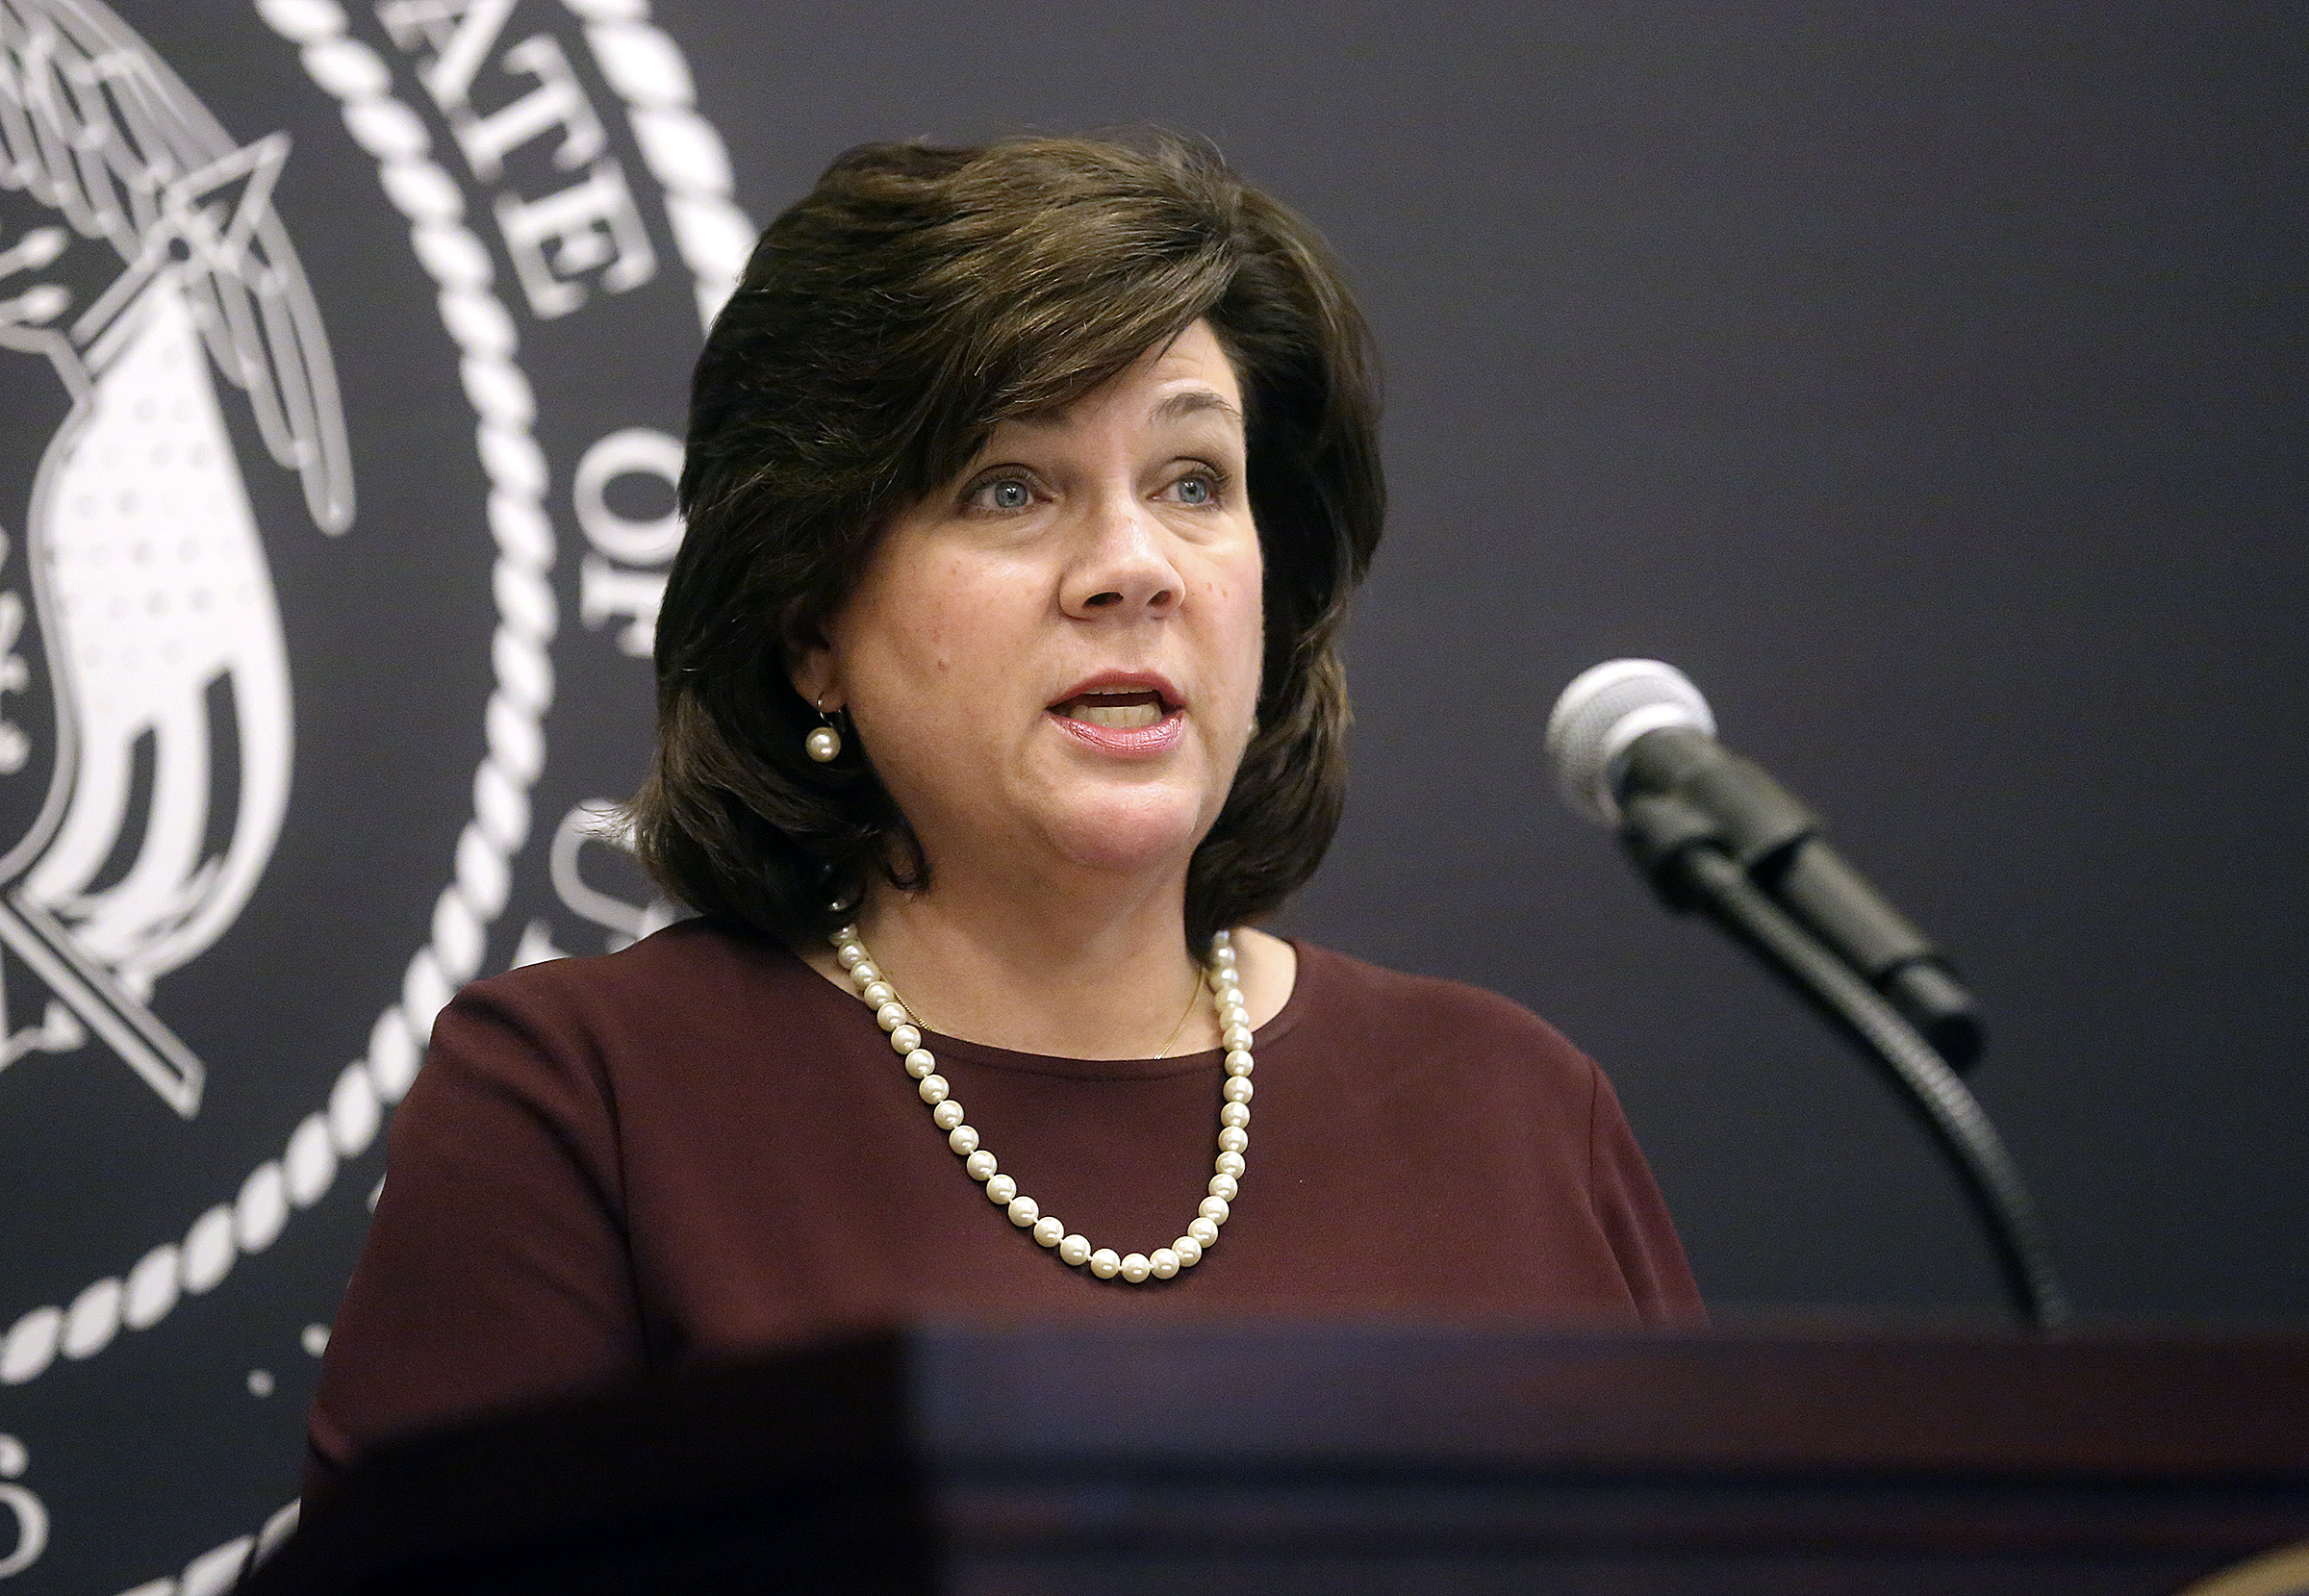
x: 1598, y: 718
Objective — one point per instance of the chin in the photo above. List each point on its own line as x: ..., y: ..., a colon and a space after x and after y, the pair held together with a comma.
x: 1129, y: 831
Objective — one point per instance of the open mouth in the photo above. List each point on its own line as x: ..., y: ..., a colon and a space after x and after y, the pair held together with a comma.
x: 1115, y: 711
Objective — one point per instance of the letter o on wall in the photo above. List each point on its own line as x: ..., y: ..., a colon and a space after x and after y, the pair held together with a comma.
x: 633, y: 451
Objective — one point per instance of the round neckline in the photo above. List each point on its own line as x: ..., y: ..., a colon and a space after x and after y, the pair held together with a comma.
x: 986, y: 1055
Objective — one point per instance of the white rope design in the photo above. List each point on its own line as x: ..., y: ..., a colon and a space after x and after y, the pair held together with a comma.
x: 680, y: 147
x: 215, y: 1570
x: 683, y: 153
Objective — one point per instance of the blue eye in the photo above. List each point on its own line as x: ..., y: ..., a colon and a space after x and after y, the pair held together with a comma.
x: 1008, y: 495
x: 1194, y: 489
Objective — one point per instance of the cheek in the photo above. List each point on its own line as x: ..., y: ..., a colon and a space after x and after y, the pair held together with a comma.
x: 1240, y: 600
x: 936, y: 629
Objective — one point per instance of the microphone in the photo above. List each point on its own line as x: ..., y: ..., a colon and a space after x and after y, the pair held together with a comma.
x: 1633, y: 745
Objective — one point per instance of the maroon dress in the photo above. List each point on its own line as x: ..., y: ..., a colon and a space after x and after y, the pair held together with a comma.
x: 699, y: 1146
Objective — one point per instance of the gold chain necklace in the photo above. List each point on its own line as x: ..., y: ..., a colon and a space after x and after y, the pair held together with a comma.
x: 1184, y: 1014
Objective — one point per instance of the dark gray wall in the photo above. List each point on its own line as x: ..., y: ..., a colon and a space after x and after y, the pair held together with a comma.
x: 1925, y: 381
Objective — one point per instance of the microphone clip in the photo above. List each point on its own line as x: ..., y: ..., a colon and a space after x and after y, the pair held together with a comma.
x: 1682, y: 790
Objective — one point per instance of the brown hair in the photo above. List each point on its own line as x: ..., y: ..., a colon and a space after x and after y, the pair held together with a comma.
x: 885, y: 325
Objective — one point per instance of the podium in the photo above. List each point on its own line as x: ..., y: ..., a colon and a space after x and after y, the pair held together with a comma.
x: 1345, y: 1458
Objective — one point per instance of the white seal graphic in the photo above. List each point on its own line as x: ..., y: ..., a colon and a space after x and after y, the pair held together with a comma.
x: 137, y: 600
x: 144, y: 684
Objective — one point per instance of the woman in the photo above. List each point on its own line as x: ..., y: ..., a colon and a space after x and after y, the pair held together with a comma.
x: 998, y: 694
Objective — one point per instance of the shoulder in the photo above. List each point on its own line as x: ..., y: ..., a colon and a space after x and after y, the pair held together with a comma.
x: 1331, y: 977
x: 662, y: 976
x: 1424, y: 1016
x: 579, y: 1016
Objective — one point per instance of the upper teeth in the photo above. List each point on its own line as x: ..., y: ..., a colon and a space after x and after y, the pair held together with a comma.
x: 1121, y: 717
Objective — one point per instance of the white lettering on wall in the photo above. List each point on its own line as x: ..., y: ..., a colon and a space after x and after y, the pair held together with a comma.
x: 590, y: 226
x: 557, y: 102
x: 623, y: 576
x: 590, y: 231
x: 20, y: 1504
x: 460, y: 33
x: 596, y: 821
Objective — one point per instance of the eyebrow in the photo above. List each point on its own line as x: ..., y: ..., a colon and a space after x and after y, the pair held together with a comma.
x: 1171, y: 407
x: 1191, y: 401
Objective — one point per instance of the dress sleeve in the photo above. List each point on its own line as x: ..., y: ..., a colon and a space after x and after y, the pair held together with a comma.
x: 1635, y: 1219
x: 497, y: 1270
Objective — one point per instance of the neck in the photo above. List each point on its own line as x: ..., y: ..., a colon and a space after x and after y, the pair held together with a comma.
x: 1090, y: 974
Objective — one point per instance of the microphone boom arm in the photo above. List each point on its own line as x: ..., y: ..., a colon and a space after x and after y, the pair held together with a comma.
x: 1677, y: 848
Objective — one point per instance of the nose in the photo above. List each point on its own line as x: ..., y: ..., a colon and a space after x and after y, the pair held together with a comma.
x: 1125, y: 568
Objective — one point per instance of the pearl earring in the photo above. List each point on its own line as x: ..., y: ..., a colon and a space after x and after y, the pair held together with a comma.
x: 823, y: 743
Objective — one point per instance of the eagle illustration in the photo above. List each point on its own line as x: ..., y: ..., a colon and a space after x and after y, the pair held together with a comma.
x: 145, y: 727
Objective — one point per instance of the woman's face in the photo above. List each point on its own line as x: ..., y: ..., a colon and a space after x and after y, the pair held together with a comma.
x: 1054, y: 659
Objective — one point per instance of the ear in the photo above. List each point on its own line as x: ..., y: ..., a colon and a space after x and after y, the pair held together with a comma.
x: 815, y: 677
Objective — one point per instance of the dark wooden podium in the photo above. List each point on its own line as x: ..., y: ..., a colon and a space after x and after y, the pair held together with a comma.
x: 1348, y: 1460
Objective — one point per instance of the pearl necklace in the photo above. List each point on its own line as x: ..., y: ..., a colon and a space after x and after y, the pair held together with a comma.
x: 1235, y: 1120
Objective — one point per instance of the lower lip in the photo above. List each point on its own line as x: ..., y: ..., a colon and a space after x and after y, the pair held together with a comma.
x: 1138, y: 743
